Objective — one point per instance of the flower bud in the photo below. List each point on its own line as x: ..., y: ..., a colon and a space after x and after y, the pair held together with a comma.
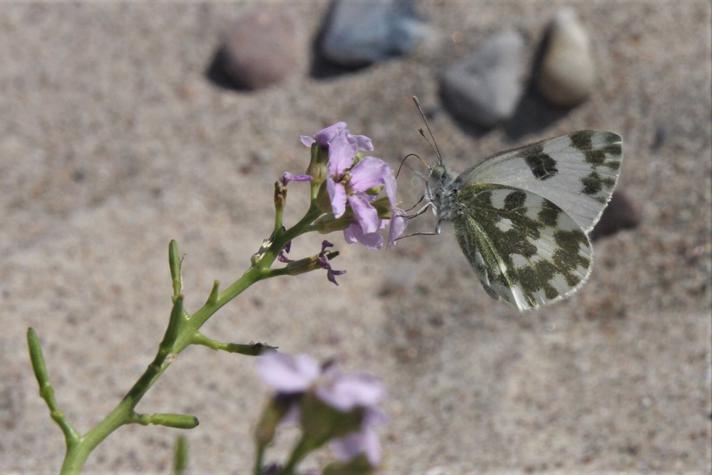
x: 321, y: 422
x: 323, y: 200
x: 328, y: 224
x: 383, y: 207
x: 179, y: 421
x: 272, y: 415
x: 317, y: 164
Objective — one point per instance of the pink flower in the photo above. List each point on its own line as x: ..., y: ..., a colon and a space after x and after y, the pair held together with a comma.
x: 295, y: 375
x: 288, y: 374
x: 354, y: 181
x: 325, y: 136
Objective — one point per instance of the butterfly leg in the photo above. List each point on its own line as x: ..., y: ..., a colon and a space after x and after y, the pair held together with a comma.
x: 435, y: 232
x: 420, y: 200
x: 422, y: 210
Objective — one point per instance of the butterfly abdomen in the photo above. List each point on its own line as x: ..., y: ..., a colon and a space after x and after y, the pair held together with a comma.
x: 442, y: 193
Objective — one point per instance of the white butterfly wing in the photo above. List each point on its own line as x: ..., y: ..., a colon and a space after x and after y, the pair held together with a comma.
x: 577, y: 172
x: 526, y: 250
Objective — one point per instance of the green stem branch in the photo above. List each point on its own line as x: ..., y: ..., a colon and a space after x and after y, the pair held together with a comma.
x: 250, y: 349
x: 178, y: 421
x: 71, y: 437
x: 182, y: 331
x: 301, y: 450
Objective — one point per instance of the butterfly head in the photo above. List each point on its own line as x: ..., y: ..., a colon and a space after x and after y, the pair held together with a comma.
x: 437, y: 173
x: 439, y: 186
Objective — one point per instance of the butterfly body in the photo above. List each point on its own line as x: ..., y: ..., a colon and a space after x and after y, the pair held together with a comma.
x: 442, y: 191
x: 522, y: 217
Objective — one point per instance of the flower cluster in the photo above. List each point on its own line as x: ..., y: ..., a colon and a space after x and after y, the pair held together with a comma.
x: 329, y: 405
x: 355, y: 180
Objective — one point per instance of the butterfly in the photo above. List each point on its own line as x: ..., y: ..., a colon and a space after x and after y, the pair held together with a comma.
x: 522, y: 217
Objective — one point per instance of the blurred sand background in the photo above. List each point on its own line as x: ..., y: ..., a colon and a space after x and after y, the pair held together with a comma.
x: 112, y: 142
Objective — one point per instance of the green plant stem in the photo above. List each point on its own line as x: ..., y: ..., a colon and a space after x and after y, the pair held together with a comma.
x: 180, y: 455
x: 301, y: 450
x: 250, y: 349
x: 181, y: 333
x: 259, y: 459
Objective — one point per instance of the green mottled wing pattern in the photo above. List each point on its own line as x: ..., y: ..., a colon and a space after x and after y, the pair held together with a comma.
x: 577, y: 172
x: 527, y: 250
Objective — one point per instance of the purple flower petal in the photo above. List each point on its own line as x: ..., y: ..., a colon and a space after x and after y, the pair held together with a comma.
x: 341, y: 155
x: 352, y: 445
x: 282, y: 257
x: 332, y: 273
x: 366, y: 215
x: 368, y: 173
x: 362, y: 142
x: 398, y: 224
x: 287, y: 177
x: 307, y: 140
x: 288, y: 374
x: 324, y: 263
x: 326, y: 135
x: 389, y: 182
x: 346, y: 392
x: 324, y: 246
x: 353, y: 234
x: 374, y: 417
x: 337, y: 196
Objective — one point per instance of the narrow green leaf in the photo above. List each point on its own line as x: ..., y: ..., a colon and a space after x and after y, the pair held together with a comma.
x: 37, y: 359
x: 180, y: 455
x: 46, y: 389
x: 214, y: 293
x: 178, y: 421
x: 174, y: 261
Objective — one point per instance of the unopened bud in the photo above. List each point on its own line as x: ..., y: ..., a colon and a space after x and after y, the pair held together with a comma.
x: 329, y: 224
x: 317, y: 164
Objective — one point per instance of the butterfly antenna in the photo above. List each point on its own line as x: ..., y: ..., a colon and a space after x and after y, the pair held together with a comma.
x: 433, y: 143
x: 403, y: 160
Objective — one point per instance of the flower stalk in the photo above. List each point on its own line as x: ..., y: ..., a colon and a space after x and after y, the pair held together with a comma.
x: 180, y: 333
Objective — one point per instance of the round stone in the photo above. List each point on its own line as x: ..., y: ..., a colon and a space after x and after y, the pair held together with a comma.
x: 567, y: 75
x: 261, y: 48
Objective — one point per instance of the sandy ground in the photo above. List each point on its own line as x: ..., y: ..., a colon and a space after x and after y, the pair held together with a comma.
x: 112, y: 142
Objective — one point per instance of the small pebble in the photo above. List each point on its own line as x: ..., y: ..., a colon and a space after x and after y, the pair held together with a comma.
x: 620, y: 214
x: 567, y: 74
x: 367, y: 31
x: 261, y: 48
x: 485, y: 87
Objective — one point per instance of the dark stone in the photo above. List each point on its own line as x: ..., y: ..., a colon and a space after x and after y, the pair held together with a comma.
x: 363, y: 32
x: 484, y: 88
x: 620, y: 214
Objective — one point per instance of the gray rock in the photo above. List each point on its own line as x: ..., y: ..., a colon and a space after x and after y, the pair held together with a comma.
x: 567, y: 75
x: 485, y: 87
x: 366, y: 31
x: 261, y: 49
